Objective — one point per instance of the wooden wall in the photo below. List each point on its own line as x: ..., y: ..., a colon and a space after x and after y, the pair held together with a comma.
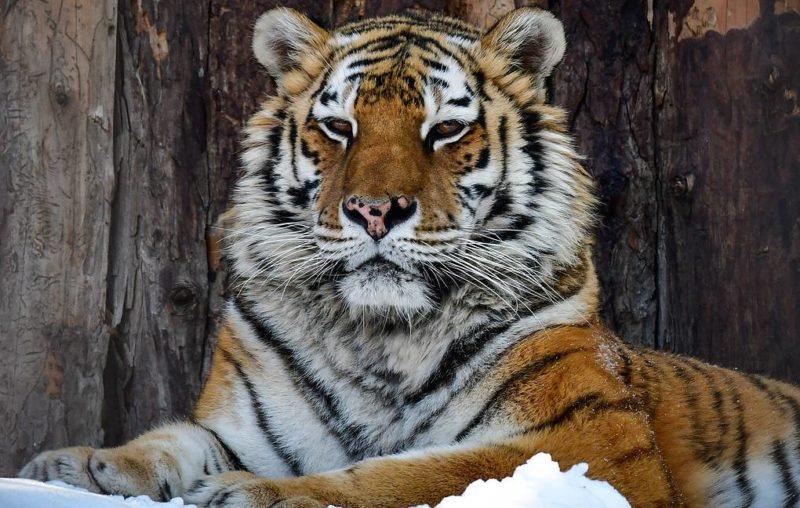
x: 119, y: 123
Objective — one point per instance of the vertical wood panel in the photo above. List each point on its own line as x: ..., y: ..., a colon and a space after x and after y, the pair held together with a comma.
x: 729, y: 149
x: 56, y: 181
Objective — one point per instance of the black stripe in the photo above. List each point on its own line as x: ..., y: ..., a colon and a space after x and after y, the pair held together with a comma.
x: 775, y: 393
x: 593, y: 401
x: 308, y: 153
x: 301, y: 196
x: 280, y: 217
x: 690, y: 396
x: 462, y: 102
x: 354, y: 76
x: 267, y: 171
x: 327, y: 97
x: 635, y: 453
x: 458, y: 353
x: 261, y: 418
x: 503, y: 133
x: 625, y: 371
x: 502, y: 199
x: 443, y: 25
x: 293, y: 147
x: 740, y: 466
x: 501, y: 204
x: 483, y: 158
x: 322, y: 401
x: 723, y: 424
x: 772, y: 397
x: 790, y: 492
x: 433, y: 80
x: 433, y: 64
x: 164, y: 491
x: 530, y: 370
x: 371, y: 60
x: 533, y: 149
x: 518, y: 224
x: 231, y: 456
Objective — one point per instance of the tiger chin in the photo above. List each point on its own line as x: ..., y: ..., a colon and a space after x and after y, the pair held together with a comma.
x: 414, y: 303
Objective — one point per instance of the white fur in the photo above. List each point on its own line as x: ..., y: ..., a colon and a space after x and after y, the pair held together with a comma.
x: 278, y: 30
x: 533, y: 24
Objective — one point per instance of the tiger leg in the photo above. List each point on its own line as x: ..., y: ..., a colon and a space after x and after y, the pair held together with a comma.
x: 617, y: 445
x: 161, y: 463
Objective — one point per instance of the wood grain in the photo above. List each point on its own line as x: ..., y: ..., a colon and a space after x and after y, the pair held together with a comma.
x: 729, y: 173
x: 56, y: 188
x: 158, y: 281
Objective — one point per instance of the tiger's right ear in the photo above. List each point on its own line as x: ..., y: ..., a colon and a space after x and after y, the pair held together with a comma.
x: 281, y: 36
x: 532, y: 39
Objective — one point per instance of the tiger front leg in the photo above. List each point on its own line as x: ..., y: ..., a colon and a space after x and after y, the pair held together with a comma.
x: 613, y: 436
x: 161, y: 463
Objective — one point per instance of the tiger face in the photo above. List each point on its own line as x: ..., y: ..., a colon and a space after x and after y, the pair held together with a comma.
x: 406, y: 161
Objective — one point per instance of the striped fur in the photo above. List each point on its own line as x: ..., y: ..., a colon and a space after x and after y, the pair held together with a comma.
x: 359, y: 372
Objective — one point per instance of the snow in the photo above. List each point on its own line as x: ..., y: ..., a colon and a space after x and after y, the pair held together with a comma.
x: 18, y: 493
x: 538, y: 483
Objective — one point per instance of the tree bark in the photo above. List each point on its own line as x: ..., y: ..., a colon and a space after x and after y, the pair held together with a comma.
x: 158, y: 283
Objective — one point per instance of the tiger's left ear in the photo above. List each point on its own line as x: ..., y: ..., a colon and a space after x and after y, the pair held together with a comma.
x: 533, y: 39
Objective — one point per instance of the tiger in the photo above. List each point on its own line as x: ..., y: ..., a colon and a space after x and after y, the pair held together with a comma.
x: 414, y: 304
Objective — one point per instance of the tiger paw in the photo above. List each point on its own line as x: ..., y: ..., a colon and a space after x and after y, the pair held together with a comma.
x: 70, y: 465
x: 128, y: 471
x: 242, y: 490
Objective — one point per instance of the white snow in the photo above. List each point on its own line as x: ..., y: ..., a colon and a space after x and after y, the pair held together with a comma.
x: 538, y: 483
x: 18, y: 493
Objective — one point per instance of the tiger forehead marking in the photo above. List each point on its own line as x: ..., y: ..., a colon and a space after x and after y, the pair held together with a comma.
x: 393, y: 87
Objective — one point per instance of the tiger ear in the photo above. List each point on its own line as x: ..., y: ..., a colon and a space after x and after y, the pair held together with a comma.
x: 281, y: 36
x: 533, y: 39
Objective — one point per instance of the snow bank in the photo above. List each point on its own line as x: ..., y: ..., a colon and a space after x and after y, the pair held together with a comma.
x: 538, y: 483
x: 17, y: 493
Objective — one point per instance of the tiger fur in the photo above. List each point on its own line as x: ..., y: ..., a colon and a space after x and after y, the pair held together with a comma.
x: 414, y: 302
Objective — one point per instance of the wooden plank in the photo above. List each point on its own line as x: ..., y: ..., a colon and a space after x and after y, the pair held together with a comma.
x: 56, y: 184
x: 158, y: 283
x: 729, y: 158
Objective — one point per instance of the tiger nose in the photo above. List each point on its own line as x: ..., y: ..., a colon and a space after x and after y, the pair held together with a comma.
x: 378, y: 216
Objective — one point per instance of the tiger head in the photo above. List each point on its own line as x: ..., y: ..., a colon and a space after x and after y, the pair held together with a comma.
x: 408, y: 160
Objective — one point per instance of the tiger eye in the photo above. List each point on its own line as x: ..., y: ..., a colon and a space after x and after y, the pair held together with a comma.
x: 448, y: 128
x: 339, y: 126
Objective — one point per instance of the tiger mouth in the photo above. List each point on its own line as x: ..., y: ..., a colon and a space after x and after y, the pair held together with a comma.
x: 379, y: 264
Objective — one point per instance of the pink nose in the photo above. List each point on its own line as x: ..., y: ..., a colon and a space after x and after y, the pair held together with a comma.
x: 378, y: 216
